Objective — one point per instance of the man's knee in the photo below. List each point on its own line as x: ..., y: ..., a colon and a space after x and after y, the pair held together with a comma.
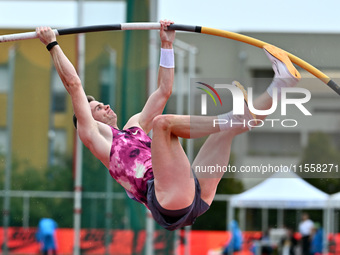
x: 162, y: 122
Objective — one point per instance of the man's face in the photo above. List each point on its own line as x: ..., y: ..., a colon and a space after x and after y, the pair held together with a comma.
x: 304, y: 217
x: 103, y: 113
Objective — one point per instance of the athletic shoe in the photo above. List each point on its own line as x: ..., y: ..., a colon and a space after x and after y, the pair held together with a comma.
x: 282, y: 66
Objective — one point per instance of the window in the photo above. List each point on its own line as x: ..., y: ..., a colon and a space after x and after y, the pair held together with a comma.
x: 3, y: 141
x: 262, y: 80
x: 58, y: 146
x: 60, y: 141
x: 58, y: 93
x: 4, y: 81
x: 105, y: 91
x: 335, y: 138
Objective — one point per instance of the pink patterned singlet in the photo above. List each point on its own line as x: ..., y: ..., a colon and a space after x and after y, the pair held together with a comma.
x: 130, y: 161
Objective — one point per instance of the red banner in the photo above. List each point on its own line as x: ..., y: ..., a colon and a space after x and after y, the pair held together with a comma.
x: 92, y: 241
x: 124, y: 242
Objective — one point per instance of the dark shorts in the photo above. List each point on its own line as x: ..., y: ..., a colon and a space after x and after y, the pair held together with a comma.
x: 175, y: 219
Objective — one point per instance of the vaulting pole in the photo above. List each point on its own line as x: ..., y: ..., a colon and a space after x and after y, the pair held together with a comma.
x: 188, y: 28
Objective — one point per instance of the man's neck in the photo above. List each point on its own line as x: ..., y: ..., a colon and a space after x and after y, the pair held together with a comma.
x: 114, y: 125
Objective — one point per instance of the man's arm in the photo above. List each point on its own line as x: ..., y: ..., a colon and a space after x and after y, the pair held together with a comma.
x: 88, y: 128
x: 158, y: 99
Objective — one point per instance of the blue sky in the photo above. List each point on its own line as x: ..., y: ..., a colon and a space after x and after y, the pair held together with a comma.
x: 257, y: 15
x: 236, y: 15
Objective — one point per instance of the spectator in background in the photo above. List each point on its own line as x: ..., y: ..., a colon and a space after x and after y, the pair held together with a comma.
x: 266, y: 244
x: 236, y: 240
x: 46, y: 235
x: 316, y: 240
x: 305, y: 228
x: 289, y: 242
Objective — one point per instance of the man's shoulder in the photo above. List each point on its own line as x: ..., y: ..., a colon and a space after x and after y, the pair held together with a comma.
x: 133, y: 122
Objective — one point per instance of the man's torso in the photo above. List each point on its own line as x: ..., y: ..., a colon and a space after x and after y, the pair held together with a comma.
x: 130, y: 161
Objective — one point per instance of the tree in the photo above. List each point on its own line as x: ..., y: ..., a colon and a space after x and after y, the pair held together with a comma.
x: 51, y: 178
x: 320, y: 150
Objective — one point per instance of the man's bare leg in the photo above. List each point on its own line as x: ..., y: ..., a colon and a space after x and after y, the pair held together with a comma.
x: 174, y: 186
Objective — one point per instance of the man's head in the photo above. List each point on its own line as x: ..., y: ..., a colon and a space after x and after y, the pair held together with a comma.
x: 305, y: 216
x: 100, y: 112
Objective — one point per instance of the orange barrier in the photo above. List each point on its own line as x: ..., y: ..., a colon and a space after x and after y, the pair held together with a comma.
x: 22, y: 241
x: 201, y: 242
x: 124, y: 242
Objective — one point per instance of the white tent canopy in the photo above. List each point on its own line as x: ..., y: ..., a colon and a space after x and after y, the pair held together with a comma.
x: 282, y: 191
x: 334, y: 200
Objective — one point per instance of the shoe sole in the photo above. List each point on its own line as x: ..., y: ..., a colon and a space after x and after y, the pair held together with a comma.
x: 245, y: 96
x: 283, y: 57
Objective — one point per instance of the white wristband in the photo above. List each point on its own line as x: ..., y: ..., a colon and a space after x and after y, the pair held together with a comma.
x: 167, y: 59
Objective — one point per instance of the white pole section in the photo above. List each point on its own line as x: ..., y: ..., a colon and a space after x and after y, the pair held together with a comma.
x: 152, y: 86
x: 79, y: 146
x: 8, y: 170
